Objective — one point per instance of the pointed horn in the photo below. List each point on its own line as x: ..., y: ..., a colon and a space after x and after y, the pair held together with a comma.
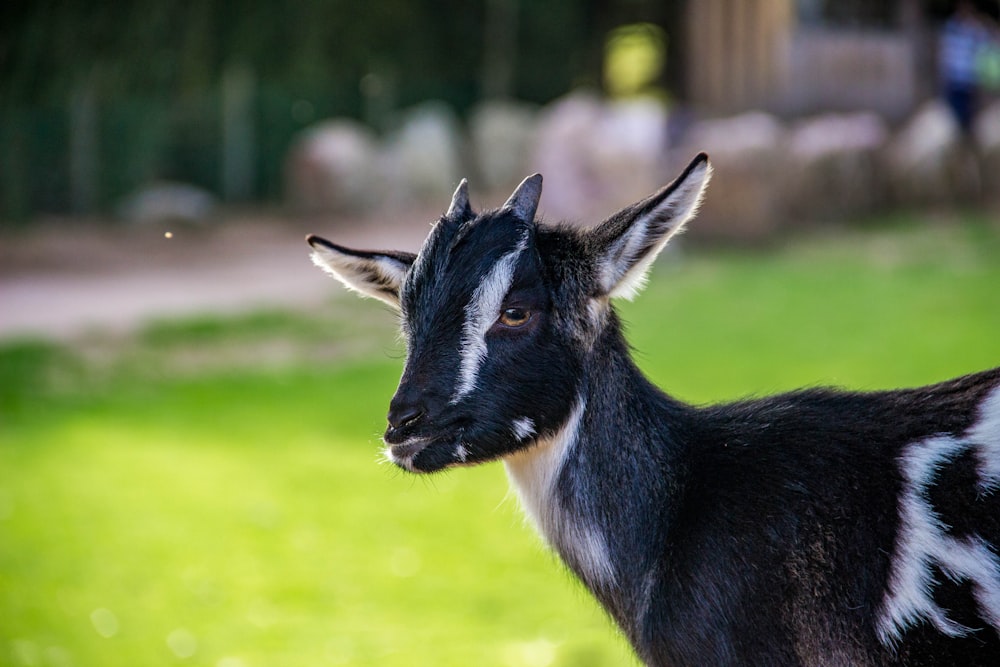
x: 524, y: 202
x: 460, y: 208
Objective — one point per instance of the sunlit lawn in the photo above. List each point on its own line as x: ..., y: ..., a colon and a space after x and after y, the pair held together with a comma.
x: 210, y: 493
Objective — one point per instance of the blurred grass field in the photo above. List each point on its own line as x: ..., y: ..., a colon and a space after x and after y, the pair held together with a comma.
x: 209, y: 492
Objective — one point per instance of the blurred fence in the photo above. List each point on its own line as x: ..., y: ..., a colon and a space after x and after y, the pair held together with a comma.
x: 84, y: 155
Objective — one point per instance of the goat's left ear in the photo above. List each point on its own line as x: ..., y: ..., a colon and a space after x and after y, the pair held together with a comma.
x: 375, y: 274
x: 626, y: 244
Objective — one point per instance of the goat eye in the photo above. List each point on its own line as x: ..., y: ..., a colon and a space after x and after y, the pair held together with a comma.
x: 514, y: 317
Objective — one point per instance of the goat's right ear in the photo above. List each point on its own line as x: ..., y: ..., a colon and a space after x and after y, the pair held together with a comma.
x: 625, y: 245
x: 375, y: 274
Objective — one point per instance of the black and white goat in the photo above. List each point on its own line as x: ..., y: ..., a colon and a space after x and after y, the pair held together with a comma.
x: 813, y: 528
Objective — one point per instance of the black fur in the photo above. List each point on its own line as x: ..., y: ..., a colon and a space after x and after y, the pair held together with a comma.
x: 761, y: 532
x: 769, y: 523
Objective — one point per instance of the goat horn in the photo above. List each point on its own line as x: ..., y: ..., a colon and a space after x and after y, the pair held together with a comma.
x: 460, y: 209
x: 524, y: 202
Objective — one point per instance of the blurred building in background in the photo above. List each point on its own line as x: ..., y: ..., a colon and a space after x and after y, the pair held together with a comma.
x: 806, y: 56
x: 104, y: 109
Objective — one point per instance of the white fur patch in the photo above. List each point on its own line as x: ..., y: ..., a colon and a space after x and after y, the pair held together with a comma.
x: 523, y: 428
x: 923, y: 540
x: 480, y: 314
x: 533, y: 473
x: 986, y: 434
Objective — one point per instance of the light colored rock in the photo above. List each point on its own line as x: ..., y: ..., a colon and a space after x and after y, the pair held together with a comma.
x: 597, y: 157
x: 503, y: 135
x: 986, y: 129
x: 987, y: 134
x: 562, y: 155
x: 928, y: 136
x: 926, y: 160
x: 834, y: 167
x: 744, y: 137
x: 421, y: 158
x: 831, y: 134
x: 745, y: 199
x: 629, y: 152
x: 165, y: 201
x: 333, y: 168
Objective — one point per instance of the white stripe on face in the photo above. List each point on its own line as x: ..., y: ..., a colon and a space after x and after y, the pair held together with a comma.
x: 480, y: 314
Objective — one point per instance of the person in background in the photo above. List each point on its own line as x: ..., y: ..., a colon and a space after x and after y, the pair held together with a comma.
x: 966, y: 35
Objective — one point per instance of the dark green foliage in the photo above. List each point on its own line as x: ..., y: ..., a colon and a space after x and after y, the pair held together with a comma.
x: 154, y: 69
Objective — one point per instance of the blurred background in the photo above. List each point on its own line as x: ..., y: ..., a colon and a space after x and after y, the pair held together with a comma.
x: 162, y: 108
x: 190, y: 412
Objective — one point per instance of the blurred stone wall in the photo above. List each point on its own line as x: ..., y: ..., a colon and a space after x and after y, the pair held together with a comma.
x: 597, y: 156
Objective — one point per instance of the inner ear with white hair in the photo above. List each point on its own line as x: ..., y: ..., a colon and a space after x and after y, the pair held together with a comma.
x: 378, y: 274
x: 626, y: 244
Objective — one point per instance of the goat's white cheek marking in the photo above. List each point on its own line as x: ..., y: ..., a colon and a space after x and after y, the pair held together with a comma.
x: 480, y: 313
x: 923, y: 540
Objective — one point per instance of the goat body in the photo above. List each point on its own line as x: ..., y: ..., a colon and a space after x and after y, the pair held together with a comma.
x: 812, y: 528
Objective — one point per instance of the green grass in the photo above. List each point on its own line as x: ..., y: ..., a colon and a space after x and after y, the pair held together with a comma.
x: 901, y: 306
x: 209, y: 494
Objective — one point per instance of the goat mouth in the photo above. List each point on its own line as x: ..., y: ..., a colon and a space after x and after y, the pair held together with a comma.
x: 402, y: 454
x: 427, y: 455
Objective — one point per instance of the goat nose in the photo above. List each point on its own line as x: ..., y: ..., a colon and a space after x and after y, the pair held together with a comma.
x: 402, y: 413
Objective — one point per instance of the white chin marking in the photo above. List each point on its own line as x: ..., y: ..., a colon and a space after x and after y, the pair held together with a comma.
x: 403, y: 462
x: 923, y: 540
x: 404, y: 453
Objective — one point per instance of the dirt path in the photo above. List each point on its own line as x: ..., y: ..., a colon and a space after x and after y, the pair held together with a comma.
x: 63, y: 279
